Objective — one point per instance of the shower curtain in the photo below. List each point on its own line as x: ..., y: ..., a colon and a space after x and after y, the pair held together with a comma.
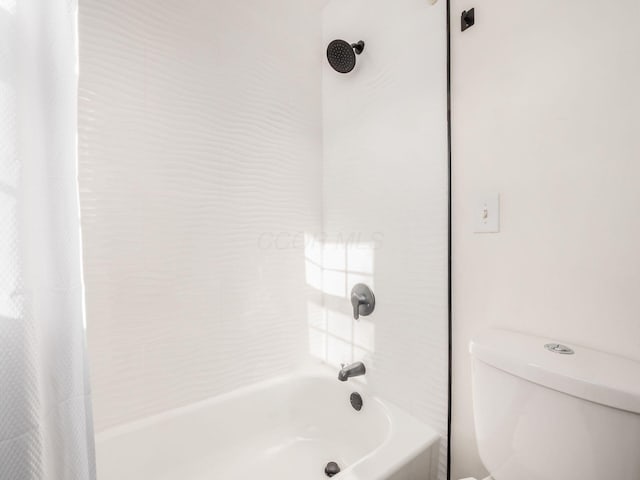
x: 45, y: 415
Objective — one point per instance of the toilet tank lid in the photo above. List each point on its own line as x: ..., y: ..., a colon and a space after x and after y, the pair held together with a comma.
x: 590, y: 374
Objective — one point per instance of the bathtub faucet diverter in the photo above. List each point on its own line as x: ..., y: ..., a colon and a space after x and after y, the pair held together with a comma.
x: 354, y: 370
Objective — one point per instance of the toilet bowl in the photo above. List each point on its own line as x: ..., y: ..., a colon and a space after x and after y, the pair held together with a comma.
x: 546, y: 411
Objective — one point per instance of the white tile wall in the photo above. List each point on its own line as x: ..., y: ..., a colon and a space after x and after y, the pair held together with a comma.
x: 200, y: 144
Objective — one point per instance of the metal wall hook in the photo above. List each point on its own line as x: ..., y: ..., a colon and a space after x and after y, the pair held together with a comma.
x: 362, y: 300
x: 467, y: 19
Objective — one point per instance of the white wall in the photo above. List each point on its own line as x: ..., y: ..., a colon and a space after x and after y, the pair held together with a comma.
x: 385, y: 201
x: 545, y: 112
x: 200, y: 141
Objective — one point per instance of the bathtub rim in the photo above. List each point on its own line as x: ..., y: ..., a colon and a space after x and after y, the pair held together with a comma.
x: 407, y: 437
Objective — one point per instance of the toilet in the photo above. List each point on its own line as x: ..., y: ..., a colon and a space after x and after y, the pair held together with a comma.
x: 548, y: 411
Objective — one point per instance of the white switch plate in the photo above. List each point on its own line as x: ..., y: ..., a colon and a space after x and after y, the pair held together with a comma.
x: 486, y: 213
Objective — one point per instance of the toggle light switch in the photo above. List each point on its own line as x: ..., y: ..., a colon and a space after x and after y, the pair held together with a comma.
x: 486, y: 213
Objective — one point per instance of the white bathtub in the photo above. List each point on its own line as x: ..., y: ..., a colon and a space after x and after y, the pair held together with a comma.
x: 284, y: 429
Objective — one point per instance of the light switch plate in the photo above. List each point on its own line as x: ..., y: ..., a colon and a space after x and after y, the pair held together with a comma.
x: 486, y: 213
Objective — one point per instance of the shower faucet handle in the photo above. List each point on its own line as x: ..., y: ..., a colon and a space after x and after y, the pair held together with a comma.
x: 356, y: 301
x: 362, y: 300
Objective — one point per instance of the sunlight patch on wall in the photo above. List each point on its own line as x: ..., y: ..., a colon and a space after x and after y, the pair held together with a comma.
x: 333, y: 266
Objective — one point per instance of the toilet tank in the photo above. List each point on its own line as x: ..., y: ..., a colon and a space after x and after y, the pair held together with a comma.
x: 550, y: 413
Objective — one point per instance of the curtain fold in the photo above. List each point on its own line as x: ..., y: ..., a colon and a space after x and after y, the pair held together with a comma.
x: 45, y: 410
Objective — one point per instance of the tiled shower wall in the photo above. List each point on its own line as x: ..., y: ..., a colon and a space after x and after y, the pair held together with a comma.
x: 200, y: 160
x: 209, y: 135
x: 385, y: 202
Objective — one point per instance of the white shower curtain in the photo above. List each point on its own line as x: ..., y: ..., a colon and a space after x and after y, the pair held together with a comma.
x: 45, y: 415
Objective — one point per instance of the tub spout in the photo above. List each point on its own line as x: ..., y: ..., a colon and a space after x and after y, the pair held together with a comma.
x: 354, y: 370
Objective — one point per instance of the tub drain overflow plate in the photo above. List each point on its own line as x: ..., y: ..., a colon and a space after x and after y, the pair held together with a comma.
x: 356, y: 401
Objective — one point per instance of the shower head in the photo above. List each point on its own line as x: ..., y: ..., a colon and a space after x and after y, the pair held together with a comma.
x: 342, y: 55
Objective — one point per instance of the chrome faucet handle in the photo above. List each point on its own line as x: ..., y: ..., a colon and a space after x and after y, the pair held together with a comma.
x: 356, y: 301
x: 362, y: 300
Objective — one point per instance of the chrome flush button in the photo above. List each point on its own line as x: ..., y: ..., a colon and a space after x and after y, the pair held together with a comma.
x: 559, y: 348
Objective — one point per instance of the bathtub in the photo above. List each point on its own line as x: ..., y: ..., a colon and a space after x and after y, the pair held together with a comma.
x: 285, y: 429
